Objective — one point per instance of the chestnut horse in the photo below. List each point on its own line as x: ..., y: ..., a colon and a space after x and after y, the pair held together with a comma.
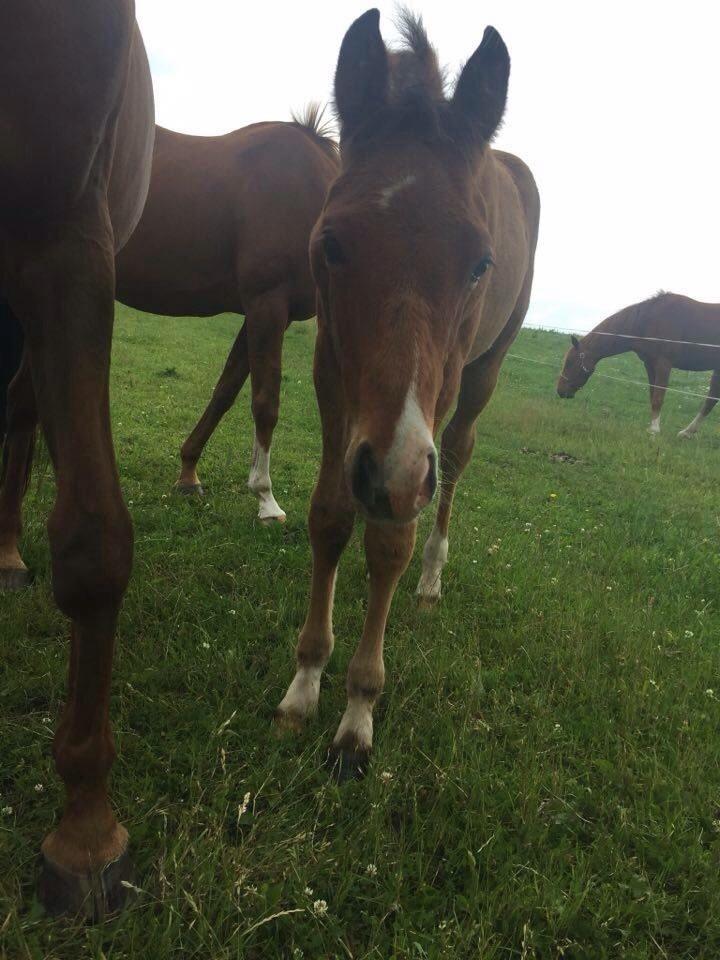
x: 76, y: 134
x: 226, y: 229
x: 665, y: 331
x: 423, y: 258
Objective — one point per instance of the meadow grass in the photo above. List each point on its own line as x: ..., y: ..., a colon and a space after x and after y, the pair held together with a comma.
x: 545, y: 780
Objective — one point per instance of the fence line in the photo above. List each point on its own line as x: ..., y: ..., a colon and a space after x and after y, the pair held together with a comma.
x: 607, y: 376
x: 627, y: 336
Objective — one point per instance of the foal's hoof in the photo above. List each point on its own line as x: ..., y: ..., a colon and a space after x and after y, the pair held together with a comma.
x: 687, y: 436
x: 284, y: 722
x: 189, y: 489
x: 93, y: 895
x: 271, y: 521
x: 427, y: 602
x: 14, y: 578
x: 346, y: 763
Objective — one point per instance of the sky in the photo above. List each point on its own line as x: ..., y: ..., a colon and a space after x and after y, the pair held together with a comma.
x: 614, y: 106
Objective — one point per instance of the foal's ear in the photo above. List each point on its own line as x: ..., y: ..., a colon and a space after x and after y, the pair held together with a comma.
x: 574, y: 340
x: 481, y: 90
x: 361, y: 77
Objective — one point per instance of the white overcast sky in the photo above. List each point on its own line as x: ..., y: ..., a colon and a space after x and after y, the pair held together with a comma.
x: 613, y: 104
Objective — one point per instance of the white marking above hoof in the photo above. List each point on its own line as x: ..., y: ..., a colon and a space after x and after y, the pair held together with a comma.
x: 654, y: 426
x: 356, y: 726
x: 301, y: 699
x: 435, y: 554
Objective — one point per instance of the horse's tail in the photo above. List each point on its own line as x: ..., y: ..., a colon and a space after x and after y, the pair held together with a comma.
x: 11, y: 349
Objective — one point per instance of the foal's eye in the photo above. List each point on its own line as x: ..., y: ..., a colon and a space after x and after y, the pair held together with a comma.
x: 332, y: 249
x: 480, y: 269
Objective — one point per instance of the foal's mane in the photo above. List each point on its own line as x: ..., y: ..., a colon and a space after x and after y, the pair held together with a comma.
x: 312, y: 119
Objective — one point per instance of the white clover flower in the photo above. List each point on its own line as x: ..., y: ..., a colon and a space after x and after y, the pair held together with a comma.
x: 39, y: 788
x: 386, y: 776
x: 689, y: 634
x: 6, y: 811
x: 371, y: 870
x: 309, y: 891
x: 709, y: 692
x: 206, y: 645
x: 320, y: 908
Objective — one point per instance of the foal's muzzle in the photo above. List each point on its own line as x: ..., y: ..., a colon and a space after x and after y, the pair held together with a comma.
x: 391, y: 498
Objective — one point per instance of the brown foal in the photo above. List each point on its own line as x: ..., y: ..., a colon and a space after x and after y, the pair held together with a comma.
x: 423, y: 258
x: 668, y: 331
x: 226, y: 229
x: 76, y: 133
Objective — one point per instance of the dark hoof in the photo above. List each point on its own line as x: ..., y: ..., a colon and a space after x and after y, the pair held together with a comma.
x: 94, y: 895
x: 347, y: 764
x: 16, y: 578
x: 189, y: 489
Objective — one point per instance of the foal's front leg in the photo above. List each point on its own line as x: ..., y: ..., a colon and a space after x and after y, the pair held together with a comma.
x: 331, y: 521
x: 388, y: 550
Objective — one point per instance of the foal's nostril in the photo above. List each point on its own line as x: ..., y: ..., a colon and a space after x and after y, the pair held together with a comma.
x: 364, y: 476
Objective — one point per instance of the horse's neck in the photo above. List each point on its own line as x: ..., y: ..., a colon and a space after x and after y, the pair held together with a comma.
x: 600, y: 342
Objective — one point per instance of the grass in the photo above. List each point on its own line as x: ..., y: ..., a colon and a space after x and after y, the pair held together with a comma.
x: 545, y: 781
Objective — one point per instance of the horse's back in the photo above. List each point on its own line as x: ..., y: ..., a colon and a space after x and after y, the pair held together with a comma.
x: 63, y: 76
x: 677, y: 323
x: 226, y: 216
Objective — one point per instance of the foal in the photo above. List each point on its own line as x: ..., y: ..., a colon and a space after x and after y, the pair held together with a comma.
x: 667, y: 331
x: 76, y: 133
x: 423, y: 257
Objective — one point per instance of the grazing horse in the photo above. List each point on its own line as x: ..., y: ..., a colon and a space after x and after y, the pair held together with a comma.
x: 666, y: 331
x: 423, y: 258
x: 76, y: 134
x: 226, y: 229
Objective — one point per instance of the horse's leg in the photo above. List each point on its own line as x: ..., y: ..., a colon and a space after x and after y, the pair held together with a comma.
x: 331, y: 520
x: 388, y: 551
x: 234, y: 375
x: 477, y: 385
x: 712, y: 398
x: 267, y: 320
x: 63, y: 288
x: 658, y: 372
x: 18, y: 454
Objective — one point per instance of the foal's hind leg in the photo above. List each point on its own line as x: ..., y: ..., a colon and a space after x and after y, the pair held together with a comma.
x: 19, y: 444
x: 267, y: 320
x: 712, y: 398
x: 63, y: 288
x: 234, y: 375
x: 477, y: 385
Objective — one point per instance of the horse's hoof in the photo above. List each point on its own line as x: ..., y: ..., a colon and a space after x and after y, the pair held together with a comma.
x: 93, y: 895
x: 347, y: 763
x: 14, y: 578
x: 189, y: 489
x: 685, y: 435
x: 271, y: 521
x: 284, y: 723
x: 427, y: 602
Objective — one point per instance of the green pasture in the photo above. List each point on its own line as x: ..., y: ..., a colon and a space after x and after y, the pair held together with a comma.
x: 546, y: 776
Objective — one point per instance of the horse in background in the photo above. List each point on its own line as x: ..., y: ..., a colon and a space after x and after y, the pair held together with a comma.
x: 77, y: 119
x: 423, y: 258
x: 226, y: 229
x: 667, y: 331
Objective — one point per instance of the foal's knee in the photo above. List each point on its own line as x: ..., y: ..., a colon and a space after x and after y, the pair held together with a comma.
x: 91, y: 556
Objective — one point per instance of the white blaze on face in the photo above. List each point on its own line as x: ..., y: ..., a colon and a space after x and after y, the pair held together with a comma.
x: 412, y: 442
x: 261, y: 485
x: 387, y: 193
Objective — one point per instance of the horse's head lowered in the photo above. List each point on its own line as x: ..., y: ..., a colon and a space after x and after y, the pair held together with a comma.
x: 402, y: 252
x: 577, y: 370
